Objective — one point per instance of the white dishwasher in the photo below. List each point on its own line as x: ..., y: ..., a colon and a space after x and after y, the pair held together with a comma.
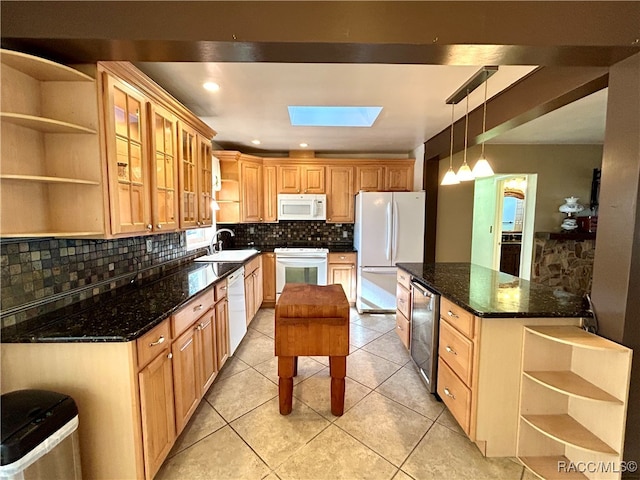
x: 237, y: 309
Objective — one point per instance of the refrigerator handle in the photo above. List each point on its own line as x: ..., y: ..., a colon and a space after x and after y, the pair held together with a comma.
x: 395, y: 230
x: 388, y: 232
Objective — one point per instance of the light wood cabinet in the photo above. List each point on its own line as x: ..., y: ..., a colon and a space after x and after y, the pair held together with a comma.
x: 251, y: 191
x: 342, y: 271
x: 205, y: 181
x: 269, y: 279
x: 127, y: 149
x: 188, y: 161
x: 398, y: 178
x: 51, y: 164
x: 185, y: 377
x: 301, y: 179
x: 403, y: 307
x: 164, y: 169
x: 340, y: 195
x: 156, y: 400
x: 270, y: 190
x: 253, y: 289
x: 370, y: 178
x: 573, y: 401
x: 222, y: 324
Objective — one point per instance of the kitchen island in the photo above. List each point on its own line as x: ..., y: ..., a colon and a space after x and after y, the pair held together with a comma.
x: 483, y: 313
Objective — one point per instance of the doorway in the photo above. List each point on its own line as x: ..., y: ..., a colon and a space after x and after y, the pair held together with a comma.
x: 503, y: 223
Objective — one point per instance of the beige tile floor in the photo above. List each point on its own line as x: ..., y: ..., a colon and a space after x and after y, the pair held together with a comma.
x: 391, y: 427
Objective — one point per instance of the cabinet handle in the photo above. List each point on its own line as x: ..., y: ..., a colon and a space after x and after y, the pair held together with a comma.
x: 198, y: 223
x: 158, y: 226
x: 451, y: 314
x: 342, y: 257
x: 451, y: 350
x: 170, y: 356
x: 400, y: 301
x: 157, y: 342
x: 399, y: 327
x: 197, y: 307
x: 353, y: 266
x: 223, y: 288
x: 149, y: 226
x: 449, y: 394
x: 197, y: 328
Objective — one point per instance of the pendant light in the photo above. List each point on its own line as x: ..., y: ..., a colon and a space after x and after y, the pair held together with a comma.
x: 450, y: 177
x: 482, y: 167
x: 464, y: 172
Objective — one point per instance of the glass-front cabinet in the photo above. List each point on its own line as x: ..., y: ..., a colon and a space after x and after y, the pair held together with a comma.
x: 127, y: 158
x: 164, y: 169
x: 205, y: 212
x: 188, y: 176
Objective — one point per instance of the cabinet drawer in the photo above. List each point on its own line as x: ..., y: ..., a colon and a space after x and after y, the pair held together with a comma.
x: 403, y: 300
x: 251, y: 266
x: 457, y: 350
x: 191, y: 312
x: 455, y: 395
x: 457, y: 316
x: 153, y: 342
x: 342, y: 257
x: 221, y: 290
x: 403, y: 329
x: 404, y: 279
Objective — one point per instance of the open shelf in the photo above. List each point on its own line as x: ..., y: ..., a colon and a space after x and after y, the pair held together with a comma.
x: 42, y: 124
x: 571, y: 384
x: 565, y: 429
x: 46, y: 179
x: 547, y: 467
x: 576, y: 337
x: 41, y: 69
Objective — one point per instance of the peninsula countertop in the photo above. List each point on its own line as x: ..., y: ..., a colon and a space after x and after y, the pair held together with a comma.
x: 123, y: 314
x: 489, y: 293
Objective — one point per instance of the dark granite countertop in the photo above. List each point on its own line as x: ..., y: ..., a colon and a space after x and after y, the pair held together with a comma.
x: 123, y: 314
x: 332, y: 247
x: 488, y: 293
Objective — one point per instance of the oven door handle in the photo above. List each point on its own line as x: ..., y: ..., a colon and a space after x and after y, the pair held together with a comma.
x: 301, y: 261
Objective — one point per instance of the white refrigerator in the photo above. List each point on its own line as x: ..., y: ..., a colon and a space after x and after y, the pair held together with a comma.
x: 389, y: 229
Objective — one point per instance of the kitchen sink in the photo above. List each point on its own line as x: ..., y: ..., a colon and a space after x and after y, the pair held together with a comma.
x: 228, y: 256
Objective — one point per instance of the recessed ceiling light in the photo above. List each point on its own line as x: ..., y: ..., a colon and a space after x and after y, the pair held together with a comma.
x: 211, y: 86
x: 255, y: 142
x: 334, y: 116
x: 304, y: 145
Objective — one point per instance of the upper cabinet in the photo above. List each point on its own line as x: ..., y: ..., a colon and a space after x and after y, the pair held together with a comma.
x: 398, y: 178
x: 159, y: 164
x: 270, y: 196
x: 340, y: 195
x: 251, y: 189
x: 301, y: 179
x: 50, y: 165
x: 393, y: 176
x: 241, y: 196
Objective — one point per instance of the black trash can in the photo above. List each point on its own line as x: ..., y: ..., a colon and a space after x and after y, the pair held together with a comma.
x: 39, y: 436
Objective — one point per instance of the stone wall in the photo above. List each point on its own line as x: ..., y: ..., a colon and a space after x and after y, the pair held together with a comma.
x: 564, y: 263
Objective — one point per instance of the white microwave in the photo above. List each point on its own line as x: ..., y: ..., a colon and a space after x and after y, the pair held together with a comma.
x: 293, y: 206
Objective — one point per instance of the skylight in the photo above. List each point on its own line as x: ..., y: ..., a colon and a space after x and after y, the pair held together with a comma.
x: 310, y: 116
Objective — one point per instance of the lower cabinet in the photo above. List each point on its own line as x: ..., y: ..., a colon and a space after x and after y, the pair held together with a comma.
x: 403, y: 307
x: 269, y: 279
x: 157, y: 411
x: 342, y: 271
x: 134, y: 398
x: 253, y: 289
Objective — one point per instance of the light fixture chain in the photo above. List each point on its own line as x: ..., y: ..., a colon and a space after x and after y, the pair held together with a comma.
x: 453, y: 106
x: 466, y: 130
x: 484, y: 117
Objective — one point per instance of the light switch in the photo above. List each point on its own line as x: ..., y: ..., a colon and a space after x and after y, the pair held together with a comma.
x: 149, y: 246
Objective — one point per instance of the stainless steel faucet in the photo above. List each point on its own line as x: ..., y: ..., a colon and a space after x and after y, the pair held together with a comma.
x: 213, y: 244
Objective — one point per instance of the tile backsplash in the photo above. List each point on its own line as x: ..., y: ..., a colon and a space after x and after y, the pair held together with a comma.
x: 39, y: 276
x: 291, y: 234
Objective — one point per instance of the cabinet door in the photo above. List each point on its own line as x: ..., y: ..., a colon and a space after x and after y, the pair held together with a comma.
x: 289, y: 179
x: 251, y: 185
x: 222, y: 333
x: 205, y: 182
x: 249, y: 299
x: 370, y: 179
x: 312, y: 179
x: 207, y: 350
x: 186, y: 383
x: 259, y: 289
x: 164, y: 169
x: 343, y: 274
x: 269, y: 277
x: 127, y: 165
x: 188, y: 176
x: 270, y: 203
x: 157, y: 411
x: 398, y: 178
x: 340, y: 197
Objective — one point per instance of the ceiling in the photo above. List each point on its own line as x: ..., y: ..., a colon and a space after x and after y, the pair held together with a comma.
x: 253, y: 98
